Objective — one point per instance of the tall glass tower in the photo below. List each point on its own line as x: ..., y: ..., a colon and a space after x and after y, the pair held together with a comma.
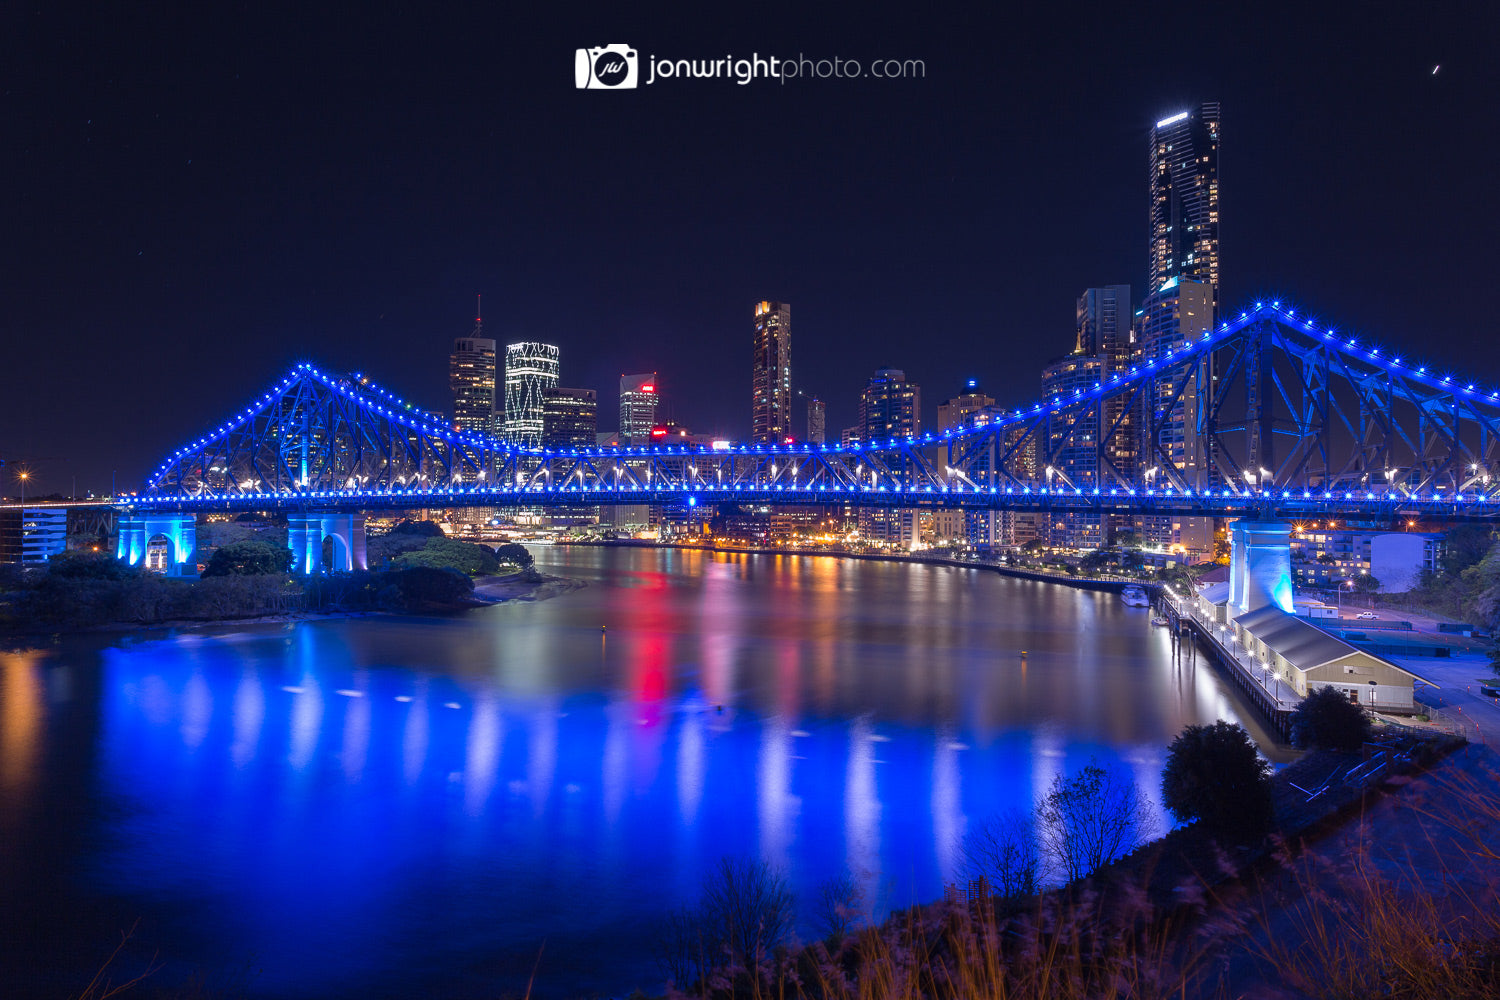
x: 1185, y: 198
x: 530, y: 370
x: 771, y: 374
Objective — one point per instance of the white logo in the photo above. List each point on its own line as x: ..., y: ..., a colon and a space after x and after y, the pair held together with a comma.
x: 611, y: 67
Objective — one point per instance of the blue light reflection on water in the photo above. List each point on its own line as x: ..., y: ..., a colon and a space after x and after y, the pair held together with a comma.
x: 389, y: 807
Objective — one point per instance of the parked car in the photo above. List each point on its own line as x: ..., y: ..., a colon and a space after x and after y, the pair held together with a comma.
x: 1367, y: 616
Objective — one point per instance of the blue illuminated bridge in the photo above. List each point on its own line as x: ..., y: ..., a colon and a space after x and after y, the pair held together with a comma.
x: 1272, y: 414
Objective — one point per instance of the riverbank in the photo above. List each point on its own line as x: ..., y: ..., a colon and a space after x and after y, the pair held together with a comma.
x: 1108, y: 585
x: 1356, y: 880
x: 488, y: 590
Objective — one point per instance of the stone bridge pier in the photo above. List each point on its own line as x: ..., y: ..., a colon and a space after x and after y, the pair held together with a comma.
x: 307, y: 531
x: 179, y: 531
x: 1260, y: 565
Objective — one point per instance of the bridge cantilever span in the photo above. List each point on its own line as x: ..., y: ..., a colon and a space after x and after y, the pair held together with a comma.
x: 1282, y: 415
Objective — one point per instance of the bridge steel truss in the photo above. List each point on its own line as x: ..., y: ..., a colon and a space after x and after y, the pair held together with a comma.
x: 1270, y: 413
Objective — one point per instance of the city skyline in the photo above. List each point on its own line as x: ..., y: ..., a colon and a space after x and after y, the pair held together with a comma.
x: 156, y: 201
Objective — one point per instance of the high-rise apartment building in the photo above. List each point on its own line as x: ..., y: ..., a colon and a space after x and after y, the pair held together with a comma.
x: 1185, y: 198
x: 1072, y: 447
x: 771, y: 374
x: 1105, y: 330
x: 889, y: 407
x: 471, y: 380
x: 530, y: 370
x: 570, y: 418
x: 817, y: 421
x: 963, y: 410
x: 1179, y: 311
x: 639, y: 398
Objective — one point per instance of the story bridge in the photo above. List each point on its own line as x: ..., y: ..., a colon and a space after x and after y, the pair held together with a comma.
x: 1272, y: 414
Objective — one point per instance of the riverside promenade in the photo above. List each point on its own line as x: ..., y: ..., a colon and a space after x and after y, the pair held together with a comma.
x: 1273, y: 696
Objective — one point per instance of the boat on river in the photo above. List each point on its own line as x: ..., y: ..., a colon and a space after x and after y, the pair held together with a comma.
x: 1135, y: 597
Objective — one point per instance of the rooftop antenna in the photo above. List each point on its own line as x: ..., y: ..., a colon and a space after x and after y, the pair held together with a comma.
x: 478, y: 314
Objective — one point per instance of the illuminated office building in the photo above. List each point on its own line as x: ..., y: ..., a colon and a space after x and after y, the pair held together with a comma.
x: 639, y: 399
x: 471, y: 380
x: 771, y: 374
x: 570, y: 418
x: 817, y: 421
x: 530, y: 370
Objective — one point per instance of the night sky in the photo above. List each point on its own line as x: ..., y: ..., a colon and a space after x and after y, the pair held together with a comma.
x: 197, y: 197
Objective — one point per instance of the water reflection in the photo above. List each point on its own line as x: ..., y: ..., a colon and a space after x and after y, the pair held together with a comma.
x: 388, y: 807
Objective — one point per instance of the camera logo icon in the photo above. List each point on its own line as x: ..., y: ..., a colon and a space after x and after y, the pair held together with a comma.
x: 608, y: 67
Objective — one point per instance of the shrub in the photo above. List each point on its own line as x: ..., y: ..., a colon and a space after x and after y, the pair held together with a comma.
x: 1328, y: 720
x: 1003, y: 853
x: 422, y: 588
x: 745, y: 913
x: 1214, y: 774
x: 80, y: 565
x: 450, y: 553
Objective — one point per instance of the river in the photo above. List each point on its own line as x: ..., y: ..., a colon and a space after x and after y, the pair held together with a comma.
x: 396, y: 806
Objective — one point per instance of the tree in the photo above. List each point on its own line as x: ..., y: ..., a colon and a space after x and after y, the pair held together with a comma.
x: 1089, y: 819
x: 1366, y: 584
x: 748, y: 910
x: 1328, y: 720
x: 1214, y: 775
x: 516, y: 554
x: 1003, y: 852
x: 248, y: 559
x: 1464, y: 545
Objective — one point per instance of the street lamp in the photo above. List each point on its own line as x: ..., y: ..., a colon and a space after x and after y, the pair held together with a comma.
x: 23, y: 475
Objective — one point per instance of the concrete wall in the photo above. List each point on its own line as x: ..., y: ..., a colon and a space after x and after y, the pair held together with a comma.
x: 1396, y: 560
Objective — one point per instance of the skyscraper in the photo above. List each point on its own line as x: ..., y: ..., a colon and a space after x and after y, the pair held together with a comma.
x: 1072, y: 447
x: 471, y: 379
x: 1179, y: 311
x: 1106, y: 331
x: 570, y: 418
x: 952, y: 524
x: 817, y: 421
x: 1185, y: 198
x: 771, y: 374
x: 639, y: 397
x: 889, y: 407
x: 530, y: 370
